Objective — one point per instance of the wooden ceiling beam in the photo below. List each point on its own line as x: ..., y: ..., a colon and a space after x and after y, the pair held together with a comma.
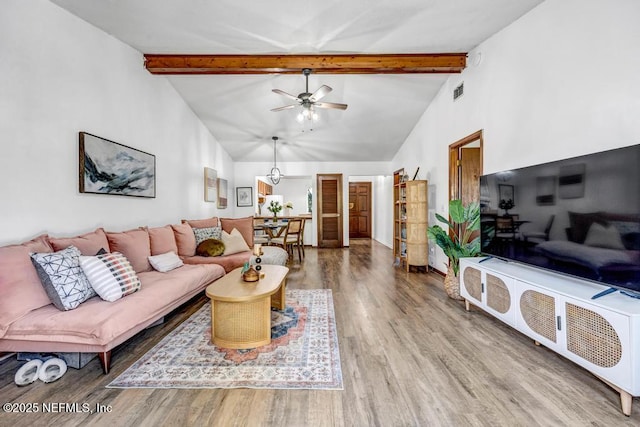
x: 294, y: 64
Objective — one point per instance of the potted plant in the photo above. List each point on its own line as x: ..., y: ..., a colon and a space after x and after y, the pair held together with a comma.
x: 274, y: 207
x: 287, y: 208
x: 465, y: 220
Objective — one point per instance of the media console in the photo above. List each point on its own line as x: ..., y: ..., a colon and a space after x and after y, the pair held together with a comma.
x: 601, y: 335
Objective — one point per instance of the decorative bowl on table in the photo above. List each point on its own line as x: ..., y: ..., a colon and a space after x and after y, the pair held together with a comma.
x: 250, y: 275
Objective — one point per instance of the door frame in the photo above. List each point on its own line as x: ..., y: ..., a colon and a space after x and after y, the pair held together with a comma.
x: 454, y: 165
x: 340, y: 208
x: 455, y: 154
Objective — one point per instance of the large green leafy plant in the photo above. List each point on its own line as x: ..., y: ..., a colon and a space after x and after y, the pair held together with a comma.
x: 464, y: 221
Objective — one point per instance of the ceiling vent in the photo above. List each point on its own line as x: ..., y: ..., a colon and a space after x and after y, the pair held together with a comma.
x: 457, y: 92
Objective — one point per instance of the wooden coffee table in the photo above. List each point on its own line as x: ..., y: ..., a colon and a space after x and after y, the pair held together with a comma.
x: 241, y: 311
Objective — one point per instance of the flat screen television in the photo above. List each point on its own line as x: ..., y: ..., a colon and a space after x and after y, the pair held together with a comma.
x: 577, y: 216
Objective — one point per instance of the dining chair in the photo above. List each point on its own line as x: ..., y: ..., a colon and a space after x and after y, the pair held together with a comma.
x: 302, y: 236
x: 259, y: 233
x: 291, y: 238
x: 536, y: 236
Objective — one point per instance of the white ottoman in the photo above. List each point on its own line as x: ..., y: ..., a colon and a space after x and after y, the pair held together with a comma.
x: 272, y: 255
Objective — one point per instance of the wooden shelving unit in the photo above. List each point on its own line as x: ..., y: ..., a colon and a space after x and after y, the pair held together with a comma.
x: 410, y: 213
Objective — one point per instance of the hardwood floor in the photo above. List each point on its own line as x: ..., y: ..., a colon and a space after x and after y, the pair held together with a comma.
x: 410, y: 357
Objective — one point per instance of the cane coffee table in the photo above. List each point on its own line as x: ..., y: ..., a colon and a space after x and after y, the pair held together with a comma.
x: 241, y: 311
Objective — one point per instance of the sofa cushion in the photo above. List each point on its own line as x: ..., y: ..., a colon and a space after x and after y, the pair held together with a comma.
x: 62, y: 278
x: 228, y: 262
x: 165, y: 262
x: 202, y: 223
x: 185, y: 239
x: 133, y: 244
x: 88, y: 243
x: 203, y: 234
x: 98, y: 323
x: 162, y: 240
x: 111, y: 275
x: 210, y: 247
x: 234, y: 242
x: 244, y: 226
x: 20, y: 287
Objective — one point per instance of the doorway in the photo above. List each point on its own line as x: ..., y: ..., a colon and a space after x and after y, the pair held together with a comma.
x: 330, y: 211
x: 465, y: 168
x: 359, y: 210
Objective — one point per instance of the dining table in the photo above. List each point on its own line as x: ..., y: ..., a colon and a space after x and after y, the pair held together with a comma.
x: 273, y: 229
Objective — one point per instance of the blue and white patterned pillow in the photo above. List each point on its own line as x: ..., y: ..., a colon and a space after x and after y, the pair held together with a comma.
x: 203, y: 234
x: 62, y: 277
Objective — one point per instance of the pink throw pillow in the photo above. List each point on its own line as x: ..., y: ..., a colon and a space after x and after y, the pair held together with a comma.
x: 244, y: 226
x: 162, y: 240
x: 185, y: 239
x: 202, y: 223
x: 20, y: 288
x: 89, y: 243
x: 134, y: 245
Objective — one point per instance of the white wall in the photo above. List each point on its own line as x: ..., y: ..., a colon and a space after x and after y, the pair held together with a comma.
x: 60, y: 75
x: 559, y: 82
x: 246, y: 172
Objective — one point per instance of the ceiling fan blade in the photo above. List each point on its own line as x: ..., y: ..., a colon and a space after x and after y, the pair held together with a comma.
x: 286, y: 107
x: 330, y: 105
x: 320, y: 93
x: 283, y: 93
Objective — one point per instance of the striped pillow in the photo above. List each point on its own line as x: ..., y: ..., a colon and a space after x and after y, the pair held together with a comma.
x: 111, y: 275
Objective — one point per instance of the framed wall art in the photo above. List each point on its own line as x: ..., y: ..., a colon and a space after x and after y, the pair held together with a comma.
x: 244, y: 196
x: 222, y: 193
x: 210, y: 185
x: 107, y: 167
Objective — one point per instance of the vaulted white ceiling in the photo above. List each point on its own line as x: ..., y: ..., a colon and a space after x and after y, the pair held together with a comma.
x: 383, y: 109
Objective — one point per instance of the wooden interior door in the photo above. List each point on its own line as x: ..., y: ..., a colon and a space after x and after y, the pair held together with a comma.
x: 465, y: 168
x: 330, y: 211
x: 470, y: 171
x: 359, y: 210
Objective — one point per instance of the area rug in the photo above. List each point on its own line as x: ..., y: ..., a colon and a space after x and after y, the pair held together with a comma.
x: 303, y: 353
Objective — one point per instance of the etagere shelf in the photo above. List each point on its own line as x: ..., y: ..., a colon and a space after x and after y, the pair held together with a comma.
x: 410, y: 210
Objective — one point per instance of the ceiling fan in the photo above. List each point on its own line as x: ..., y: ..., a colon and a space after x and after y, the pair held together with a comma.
x: 308, y: 100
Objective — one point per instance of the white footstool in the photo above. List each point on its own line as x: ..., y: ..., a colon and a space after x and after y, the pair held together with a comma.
x: 272, y: 255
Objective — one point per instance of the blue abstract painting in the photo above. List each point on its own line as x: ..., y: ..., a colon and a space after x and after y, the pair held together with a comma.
x: 107, y: 167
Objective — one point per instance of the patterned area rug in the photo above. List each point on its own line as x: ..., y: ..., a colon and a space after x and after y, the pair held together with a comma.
x: 303, y: 353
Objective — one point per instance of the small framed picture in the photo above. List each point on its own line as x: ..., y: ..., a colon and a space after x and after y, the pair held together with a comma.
x: 244, y: 196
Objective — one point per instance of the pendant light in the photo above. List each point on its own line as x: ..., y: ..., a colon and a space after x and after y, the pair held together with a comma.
x: 275, y: 175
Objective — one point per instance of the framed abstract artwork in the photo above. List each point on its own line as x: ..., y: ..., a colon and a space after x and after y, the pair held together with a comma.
x: 210, y: 185
x: 107, y: 167
x: 222, y: 193
x: 244, y: 196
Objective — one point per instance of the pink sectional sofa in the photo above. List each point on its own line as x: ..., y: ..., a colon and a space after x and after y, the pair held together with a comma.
x: 29, y: 322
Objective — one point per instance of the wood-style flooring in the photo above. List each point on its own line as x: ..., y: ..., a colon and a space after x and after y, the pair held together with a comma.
x: 410, y: 357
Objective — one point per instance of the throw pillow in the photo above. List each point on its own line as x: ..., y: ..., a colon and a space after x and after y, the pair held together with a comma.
x: 88, y: 243
x: 234, y: 242
x: 133, y: 244
x: 62, y: 278
x: 111, y: 275
x: 185, y: 239
x: 210, y: 247
x: 244, y: 226
x: 162, y: 240
x: 165, y: 262
x: 202, y: 223
x: 205, y: 233
x: 604, y: 237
